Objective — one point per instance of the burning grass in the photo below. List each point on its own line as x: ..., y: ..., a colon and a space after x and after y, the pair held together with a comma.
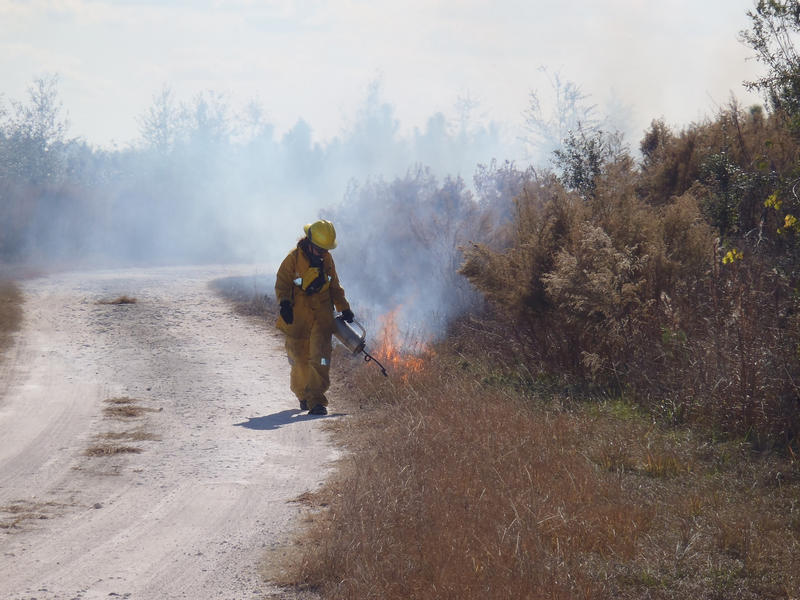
x: 390, y: 349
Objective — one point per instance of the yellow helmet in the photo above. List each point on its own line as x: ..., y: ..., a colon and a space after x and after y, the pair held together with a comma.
x: 321, y: 233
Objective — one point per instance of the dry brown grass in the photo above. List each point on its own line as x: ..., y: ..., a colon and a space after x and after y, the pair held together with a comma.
x: 10, y: 312
x: 111, y: 449
x: 125, y: 408
x: 111, y: 443
x: 455, y: 488
x: 16, y: 515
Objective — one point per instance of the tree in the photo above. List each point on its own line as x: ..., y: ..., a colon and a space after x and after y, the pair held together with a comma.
x: 372, y: 137
x: 253, y: 123
x: 34, y: 133
x: 209, y: 120
x: 162, y: 123
x: 583, y: 156
x: 546, y: 131
x: 466, y: 107
x: 775, y: 25
x: 40, y: 119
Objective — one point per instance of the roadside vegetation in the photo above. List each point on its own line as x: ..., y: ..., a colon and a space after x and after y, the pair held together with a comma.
x: 10, y: 312
x: 616, y: 412
x: 465, y: 480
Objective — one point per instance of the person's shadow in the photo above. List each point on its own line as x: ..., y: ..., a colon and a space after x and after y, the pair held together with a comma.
x: 279, y: 419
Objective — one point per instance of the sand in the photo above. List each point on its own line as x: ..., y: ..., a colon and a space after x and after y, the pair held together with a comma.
x: 205, y: 488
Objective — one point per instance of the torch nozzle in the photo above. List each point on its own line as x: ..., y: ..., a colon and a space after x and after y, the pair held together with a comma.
x: 368, y: 357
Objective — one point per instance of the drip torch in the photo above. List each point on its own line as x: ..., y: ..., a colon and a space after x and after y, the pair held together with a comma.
x: 353, y: 340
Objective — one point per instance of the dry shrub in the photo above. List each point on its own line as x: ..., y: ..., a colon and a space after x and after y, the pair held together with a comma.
x: 673, y: 162
x: 630, y: 293
x: 728, y: 356
x: 545, y: 218
x: 598, y: 289
x: 583, y: 281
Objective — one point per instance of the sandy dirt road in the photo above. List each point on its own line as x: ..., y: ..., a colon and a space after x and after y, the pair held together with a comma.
x: 223, y: 450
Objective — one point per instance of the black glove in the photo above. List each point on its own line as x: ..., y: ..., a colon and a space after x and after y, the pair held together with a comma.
x: 348, y: 315
x: 287, y: 313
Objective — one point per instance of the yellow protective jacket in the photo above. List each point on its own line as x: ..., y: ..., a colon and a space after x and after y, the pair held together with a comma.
x: 288, y: 287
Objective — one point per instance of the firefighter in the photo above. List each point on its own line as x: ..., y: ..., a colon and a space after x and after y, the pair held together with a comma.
x: 307, y: 289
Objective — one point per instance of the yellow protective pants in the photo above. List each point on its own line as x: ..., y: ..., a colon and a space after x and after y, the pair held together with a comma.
x: 308, y: 347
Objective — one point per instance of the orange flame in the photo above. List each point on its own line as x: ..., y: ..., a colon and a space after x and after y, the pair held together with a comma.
x: 389, y: 348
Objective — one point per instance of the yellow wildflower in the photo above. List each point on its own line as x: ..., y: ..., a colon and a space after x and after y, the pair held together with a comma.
x: 732, y: 255
x: 773, y: 201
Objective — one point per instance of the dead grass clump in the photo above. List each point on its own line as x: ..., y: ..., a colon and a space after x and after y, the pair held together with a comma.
x: 110, y: 450
x: 15, y: 515
x: 125, y: 408
x: 112, y: 442
x: 119, y: 300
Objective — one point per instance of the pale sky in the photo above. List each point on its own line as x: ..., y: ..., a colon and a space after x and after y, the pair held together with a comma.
x: 673, y: 59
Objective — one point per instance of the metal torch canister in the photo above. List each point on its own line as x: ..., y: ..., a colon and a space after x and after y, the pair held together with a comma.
x: 346, y: 333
